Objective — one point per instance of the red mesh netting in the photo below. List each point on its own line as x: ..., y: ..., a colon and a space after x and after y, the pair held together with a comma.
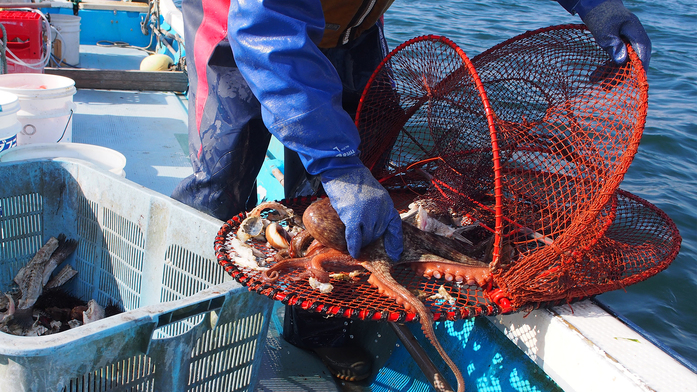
x: 531, y: 139
x: 528, y: 143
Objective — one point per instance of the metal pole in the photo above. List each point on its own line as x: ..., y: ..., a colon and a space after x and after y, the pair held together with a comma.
x: 420, y: 357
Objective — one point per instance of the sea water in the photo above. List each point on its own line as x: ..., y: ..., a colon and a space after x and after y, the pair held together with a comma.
x: 664, y: 171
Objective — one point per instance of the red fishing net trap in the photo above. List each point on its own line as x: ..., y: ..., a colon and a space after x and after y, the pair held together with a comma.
x: 524, y: 147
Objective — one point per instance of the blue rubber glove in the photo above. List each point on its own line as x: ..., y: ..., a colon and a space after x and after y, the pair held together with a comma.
x: 366, y: 209
x: 609, y: 21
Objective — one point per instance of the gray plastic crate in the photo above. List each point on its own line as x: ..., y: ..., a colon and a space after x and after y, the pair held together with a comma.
x: 187, y: 326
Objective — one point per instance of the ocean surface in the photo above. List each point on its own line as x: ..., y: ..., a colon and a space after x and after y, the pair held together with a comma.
x: 664, y: 171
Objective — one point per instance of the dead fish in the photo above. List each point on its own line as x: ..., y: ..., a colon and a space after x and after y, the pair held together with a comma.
x: 30, y: 277
x: 62, y: 277
x: 429, y: 224
x: 30, y: 282
x: 246, y: 255
x: 65, y: 249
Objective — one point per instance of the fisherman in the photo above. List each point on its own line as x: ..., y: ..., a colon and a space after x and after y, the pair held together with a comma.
x: 296, y: 70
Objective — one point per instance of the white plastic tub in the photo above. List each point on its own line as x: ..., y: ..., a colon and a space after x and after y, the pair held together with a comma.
x: 46, y: 106
x: 145, y: 252
x: 102, y: 157
x: 9, y: 125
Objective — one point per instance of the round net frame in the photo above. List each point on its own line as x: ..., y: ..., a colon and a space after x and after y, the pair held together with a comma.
x: 530, y: 139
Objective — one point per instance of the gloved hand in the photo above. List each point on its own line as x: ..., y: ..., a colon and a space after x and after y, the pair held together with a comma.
x: 609, y: 21
x: 365, y: 208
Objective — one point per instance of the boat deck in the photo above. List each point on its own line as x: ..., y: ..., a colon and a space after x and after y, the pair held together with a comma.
x: 149, y: 128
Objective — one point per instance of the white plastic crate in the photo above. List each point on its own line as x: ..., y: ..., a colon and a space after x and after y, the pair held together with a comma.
x: 143, y: 251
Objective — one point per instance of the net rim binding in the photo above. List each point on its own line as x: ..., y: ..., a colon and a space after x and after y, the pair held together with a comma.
x: 498, y: 299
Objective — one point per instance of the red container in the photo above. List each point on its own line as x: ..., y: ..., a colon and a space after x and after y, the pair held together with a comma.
x: 24, y: 41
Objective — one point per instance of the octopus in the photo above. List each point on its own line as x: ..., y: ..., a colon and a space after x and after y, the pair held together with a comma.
x: 423, y: 252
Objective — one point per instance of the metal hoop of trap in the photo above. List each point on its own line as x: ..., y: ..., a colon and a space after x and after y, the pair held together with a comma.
x: 531, y: 140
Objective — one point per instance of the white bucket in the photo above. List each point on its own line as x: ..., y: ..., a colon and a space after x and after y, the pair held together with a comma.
x: 102, y: 157
x: 9, y: 125
x: 67, y: 43
x: 46, y: 106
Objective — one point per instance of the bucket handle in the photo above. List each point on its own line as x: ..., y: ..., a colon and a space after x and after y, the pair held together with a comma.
x: 66, y: 126
x: 62, y: 134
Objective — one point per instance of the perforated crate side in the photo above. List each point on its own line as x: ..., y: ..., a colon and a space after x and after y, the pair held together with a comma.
x: 137, y: 249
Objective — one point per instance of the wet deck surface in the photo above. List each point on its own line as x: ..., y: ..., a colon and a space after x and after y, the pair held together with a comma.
x: 149, y: 128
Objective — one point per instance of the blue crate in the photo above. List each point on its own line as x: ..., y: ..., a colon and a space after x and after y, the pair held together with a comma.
x: 186, y: 325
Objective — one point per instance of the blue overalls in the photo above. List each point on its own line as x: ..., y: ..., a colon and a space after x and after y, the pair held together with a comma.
x: 228, y: 137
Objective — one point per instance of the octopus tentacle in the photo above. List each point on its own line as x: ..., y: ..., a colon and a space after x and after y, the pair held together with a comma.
x: 452, y: 272
x: 314, y: 248
x: 318, y: 264
x: 281, y: 255
x: 274, y: 272
x: 382, y: 279
x: 332, y: 260
x: 420, y: 253
x: 300, y: 243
